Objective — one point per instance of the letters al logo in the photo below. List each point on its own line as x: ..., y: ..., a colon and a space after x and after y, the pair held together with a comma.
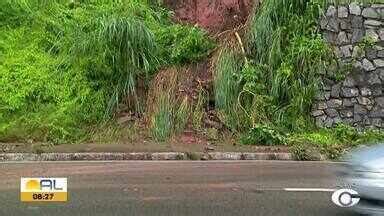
x: 43, y: 189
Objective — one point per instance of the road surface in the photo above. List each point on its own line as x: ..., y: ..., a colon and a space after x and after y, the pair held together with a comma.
x: 177, y: 188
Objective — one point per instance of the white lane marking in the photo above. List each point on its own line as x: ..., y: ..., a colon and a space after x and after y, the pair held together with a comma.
x: 309, y: 189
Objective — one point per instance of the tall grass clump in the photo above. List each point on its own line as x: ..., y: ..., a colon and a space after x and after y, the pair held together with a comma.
x: 182, y: 115
x: 227, y: 87
x: 274, y: 83
x: 130, y: 48
x: 170, y: 116
x: 225, y: 84
x: 162, y: 121
x: 284, y: 43
x: 267, y: 28
x: 199, y: 109
x: 296, y: 81
x: 168, y: 112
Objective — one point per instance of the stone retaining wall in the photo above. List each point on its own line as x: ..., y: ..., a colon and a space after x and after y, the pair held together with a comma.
x: 356, y: 33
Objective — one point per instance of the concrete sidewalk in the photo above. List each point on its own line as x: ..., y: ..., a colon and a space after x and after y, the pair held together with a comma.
x: 144, y: 156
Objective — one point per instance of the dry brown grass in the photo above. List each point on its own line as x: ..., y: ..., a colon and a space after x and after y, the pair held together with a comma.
x: 163, y: 84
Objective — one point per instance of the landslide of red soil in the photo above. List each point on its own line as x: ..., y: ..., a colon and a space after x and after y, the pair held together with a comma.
x: 216, y: 16
x: 213, y: 15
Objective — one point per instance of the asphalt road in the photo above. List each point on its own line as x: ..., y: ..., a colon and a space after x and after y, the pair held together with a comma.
x: 176, y: 188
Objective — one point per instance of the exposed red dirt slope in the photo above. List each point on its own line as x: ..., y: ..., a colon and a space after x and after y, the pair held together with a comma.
x: 213, y: 15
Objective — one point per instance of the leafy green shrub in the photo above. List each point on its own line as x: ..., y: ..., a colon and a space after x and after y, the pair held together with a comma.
x: 182, y: 44
x: 321, y: 141
x: 370, y: 136
x: 39, y: 102
x: 345, y: 133
x: 263, y: 135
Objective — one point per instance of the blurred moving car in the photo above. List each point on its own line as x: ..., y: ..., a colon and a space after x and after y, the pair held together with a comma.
x: 364, y: 173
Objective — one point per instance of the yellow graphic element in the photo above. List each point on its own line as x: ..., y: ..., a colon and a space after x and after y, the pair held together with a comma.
x: 44, y: 197
x: 43, y: 190
x: 32, y: 185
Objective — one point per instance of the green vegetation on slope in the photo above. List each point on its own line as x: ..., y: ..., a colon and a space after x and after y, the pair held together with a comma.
x: 286, y: 54
x: 280, y: 74
x: 272, y: 87
x: 66, y: 65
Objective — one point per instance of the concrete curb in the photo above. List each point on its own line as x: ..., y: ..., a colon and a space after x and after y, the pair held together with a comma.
x: 160, y: 156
